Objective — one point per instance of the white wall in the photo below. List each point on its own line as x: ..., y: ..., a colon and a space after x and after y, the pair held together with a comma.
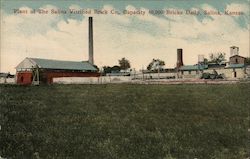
x: 153, y: 75
x: 7, y: 80
x: 92, y: 80
x: 228, y: 73
x: 192, y: 74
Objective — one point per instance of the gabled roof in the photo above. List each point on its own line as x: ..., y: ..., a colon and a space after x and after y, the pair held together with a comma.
x: 193, y: 67
x: 56, y: 64
x: 238, y: 56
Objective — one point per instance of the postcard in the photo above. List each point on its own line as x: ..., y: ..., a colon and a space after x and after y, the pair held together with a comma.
x: 124, y: 79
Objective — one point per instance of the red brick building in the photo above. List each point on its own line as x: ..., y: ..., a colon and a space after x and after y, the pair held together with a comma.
x: 35, y: 70
x: 236, y: 59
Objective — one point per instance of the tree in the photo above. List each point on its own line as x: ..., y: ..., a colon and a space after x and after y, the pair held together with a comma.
x: 107, y: 69
x: 155, y: 64
x: 115, y: 69
x: 217, y: 57
x: 97, y: 68
x: 124, y: 64
x: 205, y: 61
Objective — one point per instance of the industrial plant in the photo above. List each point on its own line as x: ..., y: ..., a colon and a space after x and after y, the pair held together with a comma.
x: 235, y: 68
x: 36, y: 70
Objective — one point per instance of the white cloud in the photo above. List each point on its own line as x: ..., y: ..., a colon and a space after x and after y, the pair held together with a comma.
x: 49, y: 36
x: 237, y: 7
x: 74, y: 6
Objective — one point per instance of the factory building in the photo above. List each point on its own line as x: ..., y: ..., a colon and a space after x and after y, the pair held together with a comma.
x: 236, y: 59
x: 235, y: 71
x: 191, y: 71
x: 235, y: 68
x: 188, y: 71
x: 37, y: 70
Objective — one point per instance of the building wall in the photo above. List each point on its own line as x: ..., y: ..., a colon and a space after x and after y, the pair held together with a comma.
x: 229, y: 72
x: 50, y: 75
x: 189, y: 74
x: 7, y: 80
x: 92, y: 80
x: 237, y: 60
x: 152, y: 75
x: 239, y: 72
x: 24, y: 78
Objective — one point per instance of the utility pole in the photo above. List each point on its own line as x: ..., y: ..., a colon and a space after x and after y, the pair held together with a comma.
x: 134, y: 73
x: 158, y: 65
x: 158, y: 72
x: 142, y: 74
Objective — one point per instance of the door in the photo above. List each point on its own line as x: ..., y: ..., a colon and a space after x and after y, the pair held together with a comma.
x: 235, y: 74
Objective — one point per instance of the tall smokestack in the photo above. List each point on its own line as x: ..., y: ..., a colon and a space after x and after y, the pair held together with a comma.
x: 91, y: 49
x: 179, y: 58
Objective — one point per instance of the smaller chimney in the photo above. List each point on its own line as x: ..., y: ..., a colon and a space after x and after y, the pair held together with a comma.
x: 91, y: 49
x: 179, y: 58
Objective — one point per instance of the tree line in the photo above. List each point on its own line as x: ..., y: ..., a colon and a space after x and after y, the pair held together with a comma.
x: 123, y: 64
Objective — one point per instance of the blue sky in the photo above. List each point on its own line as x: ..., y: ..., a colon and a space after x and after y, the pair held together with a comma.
x: 8, y: 5
x: 138, y: 38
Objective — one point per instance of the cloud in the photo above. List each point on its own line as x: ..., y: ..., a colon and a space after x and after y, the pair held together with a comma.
x: 237, y: 7
x: 137, y: 38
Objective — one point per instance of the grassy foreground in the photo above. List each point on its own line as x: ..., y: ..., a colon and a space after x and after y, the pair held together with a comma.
x: 125, y: 121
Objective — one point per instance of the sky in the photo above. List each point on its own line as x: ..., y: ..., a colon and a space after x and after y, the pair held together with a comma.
x: 139, y: 38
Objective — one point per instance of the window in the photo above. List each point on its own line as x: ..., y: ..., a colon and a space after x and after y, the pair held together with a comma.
x: 236, y: 60
x: 189, y: 72
x: 21, y: 79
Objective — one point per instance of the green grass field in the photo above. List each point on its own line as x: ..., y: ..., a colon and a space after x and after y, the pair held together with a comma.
x: 123, y: 121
